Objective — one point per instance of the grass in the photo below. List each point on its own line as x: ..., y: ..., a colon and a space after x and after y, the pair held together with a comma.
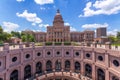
x: 116, y: 44
x: 38, y: 44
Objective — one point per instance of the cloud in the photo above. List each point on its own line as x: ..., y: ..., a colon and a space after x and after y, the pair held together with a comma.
x: 31, y: 17
x: 43, y: 25
x: 71, y: 28
x: 42, y: 2
x: 8, y: 26
x: 42, y: 8
x: 20, y: 0
x: 112, y: 32
x: 106, y: 7
x: 95, y: 25
x: 67, y: 24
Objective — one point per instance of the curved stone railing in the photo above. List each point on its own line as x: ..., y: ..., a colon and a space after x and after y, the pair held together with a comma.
x: 75, y: 76
x: 6, y: 46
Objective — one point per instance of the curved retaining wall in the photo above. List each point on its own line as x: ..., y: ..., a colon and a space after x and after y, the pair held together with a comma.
x: 110, y: 63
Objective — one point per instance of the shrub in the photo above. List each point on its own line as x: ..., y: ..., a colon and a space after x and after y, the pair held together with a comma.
x: 58, y: 43
x: 48, y: 43
x: 67, y: 43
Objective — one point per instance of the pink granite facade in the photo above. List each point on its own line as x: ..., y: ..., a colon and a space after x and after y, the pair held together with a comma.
x: 59, y: 32
x: 98, y: 62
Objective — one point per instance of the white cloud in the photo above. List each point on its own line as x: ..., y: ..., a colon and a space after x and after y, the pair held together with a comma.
x: 95, y: 25
x: 67, y: 24
x: 31, y: 17
x: 20, y: 0
x: 43, y: 25
x: 42, y: 2
x: 112, y: 32
x: 8, y: 26
x: 42, y: 8
x: 106, y: 7
x: 33, y: 24
x: 71, y: 28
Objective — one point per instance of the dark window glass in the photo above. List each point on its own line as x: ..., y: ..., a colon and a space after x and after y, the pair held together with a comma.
x: 58, y: 53
x: 88, y: 55
x: 116, y: 63
x: 27, y: 55
x: 100, y: 58
x: 77, y: 53
x: 1, y: 79
x: 38, y: 54
x: 0, y: 63
x: 67, y: 53
x: 14, y: 59
x: 48, y: 53
x: 114, y: 78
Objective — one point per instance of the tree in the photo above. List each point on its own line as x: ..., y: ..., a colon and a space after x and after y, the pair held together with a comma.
x: 1, y: 30
x: 16, y: 34
x: 112, y: 39
x: 27, y: 37
x: 4, y: 36
x: 118, y: 35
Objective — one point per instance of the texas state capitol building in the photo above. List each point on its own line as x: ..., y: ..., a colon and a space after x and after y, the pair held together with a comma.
x: 60, y: 62
x: 61, y: 33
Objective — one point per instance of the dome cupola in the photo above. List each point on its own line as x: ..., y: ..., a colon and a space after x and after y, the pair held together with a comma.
x: 58, y: 18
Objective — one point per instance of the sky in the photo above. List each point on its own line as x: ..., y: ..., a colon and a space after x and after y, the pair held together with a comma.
x: 36, y: 15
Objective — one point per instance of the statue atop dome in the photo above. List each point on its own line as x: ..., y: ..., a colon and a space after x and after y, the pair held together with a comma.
x: 58, y: 11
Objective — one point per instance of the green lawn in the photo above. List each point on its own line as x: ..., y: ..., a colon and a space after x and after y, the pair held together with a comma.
x: 116, y: 44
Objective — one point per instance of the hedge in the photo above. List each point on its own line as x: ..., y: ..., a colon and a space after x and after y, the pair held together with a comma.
x: 58, y: 43
x: 48, y: 43
x: 67, y: 43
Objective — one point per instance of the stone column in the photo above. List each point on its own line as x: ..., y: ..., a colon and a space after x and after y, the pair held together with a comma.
x: 44, y: 61
x: 53, y: 65
x: 82, y: 64
x: 72, y: 60
x: 107, y: 77
x: 6, y: 47
x: 93, y: 72
x: 7, y: 61
x: 33, y: 58
x: 72, y: 66
x: 33, y: 68
x: 62, y: 64
x: 106, y: 59
x: 93, y: 65
x: 7, y: 75
x: 33, y: 44
x: 62, y: 60
x: 22, y: 72
x: 107, y: 65
x: 108, y: 45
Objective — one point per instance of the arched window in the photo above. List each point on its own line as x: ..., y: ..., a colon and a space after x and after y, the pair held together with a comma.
x: 39, y: 67
x: 27, y: 72
x: 1, y: 78
x: 100, y: 74
x: 58, y: 65
x: 88, y: 71
x: 48, y: 66
x: 67, y: 65
x: 77, y: 66
x: 115, y: 78
x: 14, y: 75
